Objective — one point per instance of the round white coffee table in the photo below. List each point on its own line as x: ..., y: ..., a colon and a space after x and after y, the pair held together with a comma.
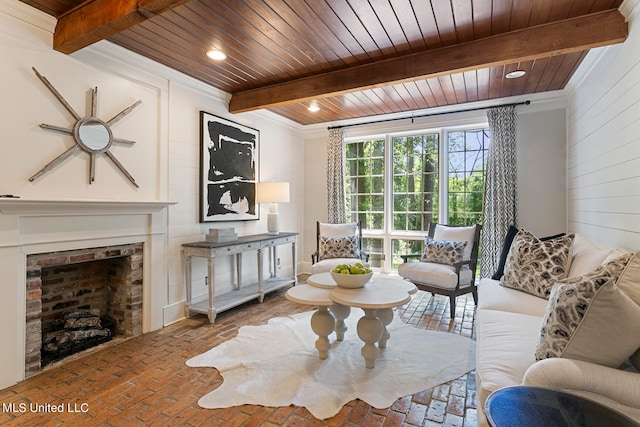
x: 377, y: 299
x: 323, y: 321
x: 322, y: 280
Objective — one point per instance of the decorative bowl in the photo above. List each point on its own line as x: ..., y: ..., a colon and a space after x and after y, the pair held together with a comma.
x: 351, y: 281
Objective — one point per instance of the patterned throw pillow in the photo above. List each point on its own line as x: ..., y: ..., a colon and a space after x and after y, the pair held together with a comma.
x: 590, y: 320
x: 442, y: 251
x: 534, y: 266
x: 339, y: 247
x: 506, y: 245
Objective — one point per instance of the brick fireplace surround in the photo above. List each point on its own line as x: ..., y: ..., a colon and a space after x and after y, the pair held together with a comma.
x: 108, y: 278
x: 35, y: 229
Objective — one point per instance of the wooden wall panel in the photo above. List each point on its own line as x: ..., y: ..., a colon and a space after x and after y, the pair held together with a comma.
x: 603, y: 146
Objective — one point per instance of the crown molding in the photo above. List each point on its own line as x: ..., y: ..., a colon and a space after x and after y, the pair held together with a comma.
x: 539, y: 102
x: 28, y: 14
x: 106, y: 53
x: 591, y: 60
x: 630, y: 9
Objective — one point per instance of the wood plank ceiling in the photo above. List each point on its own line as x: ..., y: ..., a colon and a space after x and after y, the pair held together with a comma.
x: 353, y: 58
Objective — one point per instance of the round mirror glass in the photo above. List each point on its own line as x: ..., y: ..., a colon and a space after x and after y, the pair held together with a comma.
x: 93, y: 135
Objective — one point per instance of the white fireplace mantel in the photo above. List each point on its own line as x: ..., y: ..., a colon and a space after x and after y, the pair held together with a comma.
x: 21, y: 206
x: 30, y: 226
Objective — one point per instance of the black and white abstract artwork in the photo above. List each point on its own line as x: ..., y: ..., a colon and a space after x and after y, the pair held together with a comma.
x: 228, y: 170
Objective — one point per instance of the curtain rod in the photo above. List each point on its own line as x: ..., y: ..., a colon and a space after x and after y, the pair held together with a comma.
x: 527, y: 102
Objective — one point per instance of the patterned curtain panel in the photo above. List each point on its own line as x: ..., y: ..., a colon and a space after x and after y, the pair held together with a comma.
x: 335, y: 177
x: 500, y: 197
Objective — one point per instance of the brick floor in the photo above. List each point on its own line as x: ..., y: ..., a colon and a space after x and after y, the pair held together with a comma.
x: 145, y: 381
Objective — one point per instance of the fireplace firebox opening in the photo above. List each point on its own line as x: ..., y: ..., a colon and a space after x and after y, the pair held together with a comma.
x: 79, y: 299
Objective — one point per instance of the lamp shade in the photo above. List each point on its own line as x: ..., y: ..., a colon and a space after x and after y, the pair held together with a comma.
x: 273, y: 192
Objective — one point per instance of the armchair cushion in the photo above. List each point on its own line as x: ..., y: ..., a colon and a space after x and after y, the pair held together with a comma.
x: 457, y: 234
x: 338, y: 230
x: 339, y: 247
x: 592, y: 320
x: 438, y: 275
x: 443, y: 251
x: 534, y: 266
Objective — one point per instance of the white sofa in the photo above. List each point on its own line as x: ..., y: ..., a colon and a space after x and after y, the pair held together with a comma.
x: 508, y: 327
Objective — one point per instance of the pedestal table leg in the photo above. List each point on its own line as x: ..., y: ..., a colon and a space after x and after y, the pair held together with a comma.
x: 322, y: 323
x: 386, y: 316
x: 341, y: 312
x: 370, y: 330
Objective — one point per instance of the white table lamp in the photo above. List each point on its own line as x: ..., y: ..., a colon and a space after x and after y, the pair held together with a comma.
x: 273, y: 193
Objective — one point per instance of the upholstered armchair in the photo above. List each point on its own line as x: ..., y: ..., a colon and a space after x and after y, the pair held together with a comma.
x: 337, y: 244
x: 448, y: 264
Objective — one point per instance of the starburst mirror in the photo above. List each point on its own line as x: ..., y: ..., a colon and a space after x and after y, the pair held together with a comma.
x: 91, y: 135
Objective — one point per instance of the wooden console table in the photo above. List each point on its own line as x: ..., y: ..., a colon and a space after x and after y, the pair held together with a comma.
x: 240, y: 294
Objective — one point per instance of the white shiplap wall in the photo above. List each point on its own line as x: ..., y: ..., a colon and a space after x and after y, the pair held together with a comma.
x: 603, y: 142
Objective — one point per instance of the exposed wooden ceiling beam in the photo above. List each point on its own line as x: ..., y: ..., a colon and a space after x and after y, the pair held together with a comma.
x: 561, y: 37
x: 96, y: 20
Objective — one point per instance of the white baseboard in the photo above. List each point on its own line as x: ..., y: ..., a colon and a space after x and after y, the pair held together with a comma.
x: 173, y: 313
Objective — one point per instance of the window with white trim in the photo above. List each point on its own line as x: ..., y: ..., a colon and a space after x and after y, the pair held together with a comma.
x: 394, y: 187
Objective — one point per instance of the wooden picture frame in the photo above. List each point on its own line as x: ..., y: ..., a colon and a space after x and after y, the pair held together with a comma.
x: 228, y: 170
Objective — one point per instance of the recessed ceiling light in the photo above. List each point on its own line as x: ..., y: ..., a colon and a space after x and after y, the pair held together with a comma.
x: 515, y: 74
x: 218, y: 55
x: 313, y: 107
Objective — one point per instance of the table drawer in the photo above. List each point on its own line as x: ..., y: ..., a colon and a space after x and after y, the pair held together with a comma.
x: 278, y: 241
x: 234, y: 249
